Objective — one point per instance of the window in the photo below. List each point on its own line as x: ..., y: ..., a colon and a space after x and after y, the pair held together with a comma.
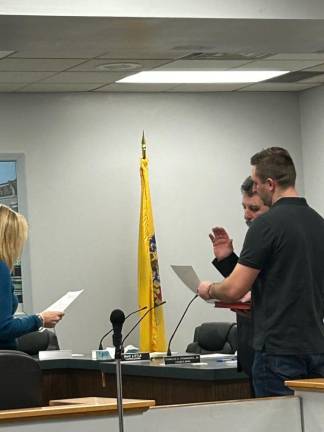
x: 12, y: 194
x: 9, y: 197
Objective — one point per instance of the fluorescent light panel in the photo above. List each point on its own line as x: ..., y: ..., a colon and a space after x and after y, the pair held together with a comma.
x: 200, y: 77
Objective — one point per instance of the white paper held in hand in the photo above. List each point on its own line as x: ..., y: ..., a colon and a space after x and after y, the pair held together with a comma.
x: 62, y: 303
x: 189, y: 277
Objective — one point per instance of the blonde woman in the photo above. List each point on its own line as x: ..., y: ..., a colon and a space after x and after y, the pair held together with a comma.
x: 13, y: 234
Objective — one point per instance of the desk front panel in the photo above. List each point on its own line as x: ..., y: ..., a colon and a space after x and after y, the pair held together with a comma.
x: 164, y: 387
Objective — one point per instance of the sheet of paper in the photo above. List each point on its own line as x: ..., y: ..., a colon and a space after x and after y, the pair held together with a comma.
x: 61, y: 304
x: 189, y: 277
x: 219, y: 356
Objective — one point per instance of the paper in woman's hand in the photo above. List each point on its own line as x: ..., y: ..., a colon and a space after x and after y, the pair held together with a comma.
x: 61, y: 304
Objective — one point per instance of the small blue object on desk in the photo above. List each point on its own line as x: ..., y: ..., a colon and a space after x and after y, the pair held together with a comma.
x: 101, y: 355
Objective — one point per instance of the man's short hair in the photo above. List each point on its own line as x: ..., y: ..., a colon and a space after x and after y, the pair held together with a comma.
x: 275, y: 163
x: 247, y: 187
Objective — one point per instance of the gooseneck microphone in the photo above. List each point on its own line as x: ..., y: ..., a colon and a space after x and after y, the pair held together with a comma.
x: 117, y: 319
x: 175, y: 330
x: 137, y: 323
x: 108, y: 332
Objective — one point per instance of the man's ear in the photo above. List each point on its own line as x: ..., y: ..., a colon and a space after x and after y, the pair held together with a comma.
x: 271, y: 184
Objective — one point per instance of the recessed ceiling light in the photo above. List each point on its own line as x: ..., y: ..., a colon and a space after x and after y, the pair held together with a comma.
x: 116, y: 67
x: 200, y: 77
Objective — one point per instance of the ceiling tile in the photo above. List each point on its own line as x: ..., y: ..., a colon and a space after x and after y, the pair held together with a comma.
x: 318, y: 68
x: 92, y: 65
x: 4, y: 54
x: 297, y: 56
x: 23, y: 77
x: 315, y: 79
x: 290, y: 65
x: 4, y: 88
x: 39, y: 65
x: 56, y: 88
x: 87, y: 77
x: 203, y: 65
x: 135, y: 88
x: 277, y: 87
x: 157, y: 50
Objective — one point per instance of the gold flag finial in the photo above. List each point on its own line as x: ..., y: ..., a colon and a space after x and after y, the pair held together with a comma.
x: 143, y: 146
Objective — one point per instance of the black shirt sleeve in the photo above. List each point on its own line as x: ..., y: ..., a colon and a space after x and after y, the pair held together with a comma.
x: 226, y: 266
x: 258, y: 244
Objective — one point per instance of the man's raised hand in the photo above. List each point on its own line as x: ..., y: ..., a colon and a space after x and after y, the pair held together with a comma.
x: 222, y: 244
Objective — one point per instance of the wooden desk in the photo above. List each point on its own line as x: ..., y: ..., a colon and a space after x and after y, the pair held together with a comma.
x: 311, y: 384
x: 172, y: 384
x: 94, y: 400
x: 311, y: 393
x: 254, y: 415
x: 87, y: 406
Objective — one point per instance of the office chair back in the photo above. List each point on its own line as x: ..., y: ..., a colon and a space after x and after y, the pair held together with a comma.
x: 21, y: 380
x: 40, y: 340
x: 214, y: 337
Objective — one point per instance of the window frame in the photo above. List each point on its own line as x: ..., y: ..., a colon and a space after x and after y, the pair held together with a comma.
x: 19, y: 158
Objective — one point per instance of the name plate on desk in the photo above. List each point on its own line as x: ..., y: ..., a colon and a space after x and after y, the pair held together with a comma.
x: 55, y: 354
x: 135, y: 356
x: 182, y: 359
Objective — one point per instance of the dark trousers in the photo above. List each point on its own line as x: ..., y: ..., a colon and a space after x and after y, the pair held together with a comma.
x: 245, y: 352
x: 271, y: 371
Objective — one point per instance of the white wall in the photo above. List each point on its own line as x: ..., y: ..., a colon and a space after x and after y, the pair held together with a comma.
x: 82, y: 158
x: 312, y: 132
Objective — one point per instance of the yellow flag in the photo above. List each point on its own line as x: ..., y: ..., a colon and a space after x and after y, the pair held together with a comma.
x: 152, y: 331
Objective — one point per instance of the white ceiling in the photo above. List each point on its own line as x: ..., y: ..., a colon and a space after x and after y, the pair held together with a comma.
x: 64, y: 54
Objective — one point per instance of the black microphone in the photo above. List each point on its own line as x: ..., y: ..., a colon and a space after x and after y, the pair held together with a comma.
x: 184, y: 313
x: 108, y: 332
x: 117, y: 319
x: 137, y: 323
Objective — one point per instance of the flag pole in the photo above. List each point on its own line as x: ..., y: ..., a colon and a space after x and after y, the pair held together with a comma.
x: 143, y: 146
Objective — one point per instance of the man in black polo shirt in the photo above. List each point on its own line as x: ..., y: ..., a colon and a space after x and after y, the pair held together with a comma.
x: 284, y: 249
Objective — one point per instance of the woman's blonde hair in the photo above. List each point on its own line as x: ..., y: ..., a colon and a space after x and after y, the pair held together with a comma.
x: 13, y: 234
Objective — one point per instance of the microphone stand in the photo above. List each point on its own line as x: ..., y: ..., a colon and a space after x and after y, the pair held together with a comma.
x: 119, y: 382
x: 118, y: 353
x: 117, y: 318
x: 175, y: 330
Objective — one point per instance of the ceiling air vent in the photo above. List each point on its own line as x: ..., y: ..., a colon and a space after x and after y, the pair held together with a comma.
x: 226, y: 56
